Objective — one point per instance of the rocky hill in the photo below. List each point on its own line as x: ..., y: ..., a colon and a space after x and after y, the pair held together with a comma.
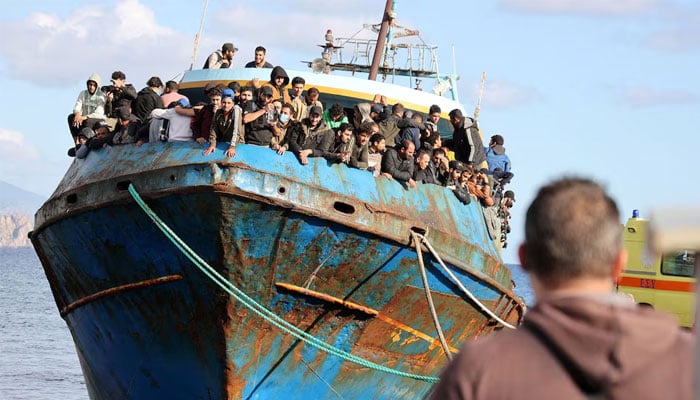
x: 17, y: 207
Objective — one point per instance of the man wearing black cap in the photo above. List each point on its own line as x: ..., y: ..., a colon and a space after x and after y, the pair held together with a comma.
x: 221, y: 58
x: 466, y: 140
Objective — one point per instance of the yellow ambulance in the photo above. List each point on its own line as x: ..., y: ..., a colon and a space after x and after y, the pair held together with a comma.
x: 665, y: 283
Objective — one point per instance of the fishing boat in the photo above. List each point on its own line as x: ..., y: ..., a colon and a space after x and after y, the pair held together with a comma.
x: 184, y: 276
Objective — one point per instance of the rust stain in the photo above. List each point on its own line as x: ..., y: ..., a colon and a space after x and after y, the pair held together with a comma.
x: 116, y: 290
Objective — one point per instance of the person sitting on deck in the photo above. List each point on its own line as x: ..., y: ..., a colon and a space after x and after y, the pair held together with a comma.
x: 221, y: 58
x: 581, y: 340
x: 179, y: 122
x: 397, y: 163
x: 89, y: 108
x: 224, y: 127
x: 259, y: 61
x: 127, y: 128
x: 312, y: 137
x: 498, y: 161
x: 118, y: 95
x: 147, y: 100
x: 171, y: 93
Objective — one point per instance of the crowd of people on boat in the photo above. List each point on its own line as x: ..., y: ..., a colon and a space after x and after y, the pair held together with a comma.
x: 286, y: 116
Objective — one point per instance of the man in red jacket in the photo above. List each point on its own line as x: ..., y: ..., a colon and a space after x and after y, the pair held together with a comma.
x: 581, y: 340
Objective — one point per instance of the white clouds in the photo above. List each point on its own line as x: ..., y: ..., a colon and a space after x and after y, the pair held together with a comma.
x: 583, y: 7
x: 503, y: 94
x: 651, y: 97
x: 14, y: 148
x: 49, y: 50
x: 24, y: 166
x: 678, y: 40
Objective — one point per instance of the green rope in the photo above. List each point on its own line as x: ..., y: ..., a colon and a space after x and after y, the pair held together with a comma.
x: 256, y: 307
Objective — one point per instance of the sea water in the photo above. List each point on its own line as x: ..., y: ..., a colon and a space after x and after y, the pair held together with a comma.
x: 37, y: 355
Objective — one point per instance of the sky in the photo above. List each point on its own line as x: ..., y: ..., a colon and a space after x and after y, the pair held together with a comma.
x: 600, y: 89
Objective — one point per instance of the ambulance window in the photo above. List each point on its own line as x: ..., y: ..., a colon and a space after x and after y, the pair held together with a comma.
x: 679, y: 264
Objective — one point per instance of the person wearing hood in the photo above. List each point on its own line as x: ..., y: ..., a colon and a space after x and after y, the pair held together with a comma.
x: 278, y: 82
x: 89, y: 108
x: 581, y: 340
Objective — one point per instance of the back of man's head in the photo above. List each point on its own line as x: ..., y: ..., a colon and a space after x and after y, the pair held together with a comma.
x: 572, y: 230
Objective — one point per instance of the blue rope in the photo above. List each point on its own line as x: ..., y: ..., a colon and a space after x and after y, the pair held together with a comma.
x: 256, y: 307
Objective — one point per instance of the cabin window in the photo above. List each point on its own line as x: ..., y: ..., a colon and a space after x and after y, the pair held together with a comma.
x: 679, y: 264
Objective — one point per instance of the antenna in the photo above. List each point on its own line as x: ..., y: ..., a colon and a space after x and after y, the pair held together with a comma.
x: 477, y: 110
x: 199, y: 34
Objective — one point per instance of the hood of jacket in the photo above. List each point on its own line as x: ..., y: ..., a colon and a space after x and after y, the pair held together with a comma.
x: 608, y: 337
x: 277, y: 72
x: 498, y: 149
x: 364, y: 109
x: 95, y: 78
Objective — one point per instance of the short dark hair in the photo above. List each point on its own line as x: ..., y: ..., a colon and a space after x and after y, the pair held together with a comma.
x: 344, y: 126
x: 154, y: 81
x: 235, y: 86
x: 434, y: 109
x: 439, y: 150
x: 260, y: 48
x: 313, y: 90
x: 456, y: 113
x: 118, y: 75
x: 298, y: 79
x: 172, y: 85
x: 572, y: 230
x: 336, y: 111
x: 247, y: 89
x: 376, y: 138
x: 367, y: 127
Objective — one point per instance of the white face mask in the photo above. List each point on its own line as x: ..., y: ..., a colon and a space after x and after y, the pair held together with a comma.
x: 283, y: 118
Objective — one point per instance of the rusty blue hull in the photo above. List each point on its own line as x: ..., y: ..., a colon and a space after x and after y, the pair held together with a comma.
x: 147, y: 324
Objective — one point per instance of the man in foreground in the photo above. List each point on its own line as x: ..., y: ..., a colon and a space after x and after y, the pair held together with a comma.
x: 581, y: 340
